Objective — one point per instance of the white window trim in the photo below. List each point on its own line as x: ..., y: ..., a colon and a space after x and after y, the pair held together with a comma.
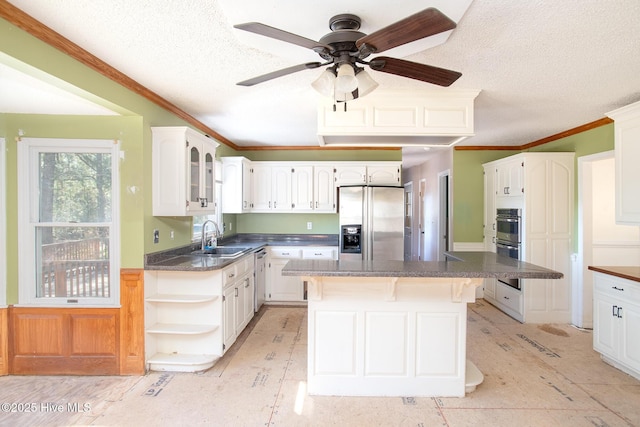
x: 28, y: 148
x: 3, y: 225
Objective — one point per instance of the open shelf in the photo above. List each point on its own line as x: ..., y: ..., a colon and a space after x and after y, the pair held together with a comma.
x: 181, y: 362
x: 185, y: 299
x: 181, y: 329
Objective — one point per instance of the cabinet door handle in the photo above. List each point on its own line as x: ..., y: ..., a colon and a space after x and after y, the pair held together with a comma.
x: 247, y: 281
x: 232, y: 275
x: 618, y: 289
x: 236, y: 292
x: 506, y: 297
x: 613, y: 311
x: 619, y: 315
x: 316, y: 204
x: 311, y: 204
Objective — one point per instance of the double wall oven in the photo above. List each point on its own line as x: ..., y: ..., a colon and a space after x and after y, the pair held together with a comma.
x: 509, y: 238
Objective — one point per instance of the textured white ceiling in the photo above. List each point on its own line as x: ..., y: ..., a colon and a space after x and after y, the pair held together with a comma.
x: 543, y: 66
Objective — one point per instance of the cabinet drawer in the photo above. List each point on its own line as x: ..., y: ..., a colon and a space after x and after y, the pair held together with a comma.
x: 509, y: 297
x: 229, y: 274
x: 289, y: 253
x: 617, y: 287
x: 244, y: 265
x: 318, y: 253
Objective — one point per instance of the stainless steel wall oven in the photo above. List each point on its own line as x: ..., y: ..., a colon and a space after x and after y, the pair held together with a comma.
x: 509, y: 238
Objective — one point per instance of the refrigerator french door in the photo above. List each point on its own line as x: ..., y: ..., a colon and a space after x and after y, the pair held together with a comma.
x: 371, y: 223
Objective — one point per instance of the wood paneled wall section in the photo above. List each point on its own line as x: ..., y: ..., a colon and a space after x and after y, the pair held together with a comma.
x: 132, y: 322
x: 4, y: 342
x: 58, y: 341
x: 80, y: 341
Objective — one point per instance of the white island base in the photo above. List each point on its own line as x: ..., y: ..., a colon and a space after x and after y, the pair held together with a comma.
x: 387, y: 336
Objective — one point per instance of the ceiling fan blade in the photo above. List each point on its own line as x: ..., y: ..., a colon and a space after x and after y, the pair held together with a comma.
x: 275, y: 33
x: 413, y: 70
x: 279, y: 73
x: 415, y: 27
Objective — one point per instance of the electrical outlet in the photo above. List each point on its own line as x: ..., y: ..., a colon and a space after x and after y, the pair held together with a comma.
x: 172, y: 234
x: 309, y: 225
x: 156, y: 236
x: 230, y: 226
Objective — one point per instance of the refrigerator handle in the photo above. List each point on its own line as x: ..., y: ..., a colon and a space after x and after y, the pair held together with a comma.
x: 367, y: 231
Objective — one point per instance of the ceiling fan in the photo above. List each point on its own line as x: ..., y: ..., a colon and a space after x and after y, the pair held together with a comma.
x: 345, y: 47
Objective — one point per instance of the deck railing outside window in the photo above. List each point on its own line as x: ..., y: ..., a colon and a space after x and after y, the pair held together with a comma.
x: 78, y: 268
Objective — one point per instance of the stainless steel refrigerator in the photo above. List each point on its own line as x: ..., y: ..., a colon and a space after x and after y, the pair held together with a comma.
x: 371, y: 223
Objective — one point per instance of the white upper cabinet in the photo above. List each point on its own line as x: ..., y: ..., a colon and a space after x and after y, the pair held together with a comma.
x: 270, y: 187
x: 509, y: 179
x: 302, y: 189
x: 261, y: 187
x: 281, y: 179
x: 183, y: 175
x: 297, y: 187
x: 386, y: 174
x: 236, y: 185
x: 627, y: 153
x: 372, y: 173
x: 351, y: 174
x: 324, y: 189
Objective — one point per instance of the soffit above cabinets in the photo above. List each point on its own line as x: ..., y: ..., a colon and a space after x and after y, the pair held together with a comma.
x: 394, y: 118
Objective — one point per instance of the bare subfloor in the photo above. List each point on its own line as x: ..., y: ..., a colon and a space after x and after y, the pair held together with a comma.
x: 535, y: 375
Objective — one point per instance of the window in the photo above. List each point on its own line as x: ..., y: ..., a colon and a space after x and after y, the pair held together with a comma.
x: 68, y: 222
x: 200, y: 219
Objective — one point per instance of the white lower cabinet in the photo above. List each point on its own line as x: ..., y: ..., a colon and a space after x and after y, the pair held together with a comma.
x: 504, y: 297
x: 489, y: 290
x: 279, y: 287
x: 187, y: 322
x: 616, y: 322
x: 238, y: 307
x: 291, y: 288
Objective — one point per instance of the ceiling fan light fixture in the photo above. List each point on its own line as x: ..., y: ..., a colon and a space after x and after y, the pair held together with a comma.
x: 325, y: 83
x: 366, y: 84
x: 346, y: 80
x: 345, y: 96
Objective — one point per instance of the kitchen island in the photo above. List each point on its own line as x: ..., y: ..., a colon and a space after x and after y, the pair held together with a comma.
x: 396, y: 328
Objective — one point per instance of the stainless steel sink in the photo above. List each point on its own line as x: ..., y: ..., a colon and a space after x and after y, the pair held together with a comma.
x: 220, y: 251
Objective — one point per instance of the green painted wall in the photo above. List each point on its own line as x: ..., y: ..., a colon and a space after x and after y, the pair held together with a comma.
x: 468, y: 192
x: 284, y: 223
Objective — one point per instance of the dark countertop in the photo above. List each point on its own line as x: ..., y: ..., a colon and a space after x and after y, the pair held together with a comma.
x: 181, y: 259
x: 624, y: 272
x: 460, y: 264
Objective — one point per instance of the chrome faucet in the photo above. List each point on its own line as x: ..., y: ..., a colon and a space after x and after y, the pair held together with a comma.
x: 204, y: 232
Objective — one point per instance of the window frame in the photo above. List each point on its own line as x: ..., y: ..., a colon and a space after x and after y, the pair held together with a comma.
x: 217, y: 216
x: 29, y: 150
